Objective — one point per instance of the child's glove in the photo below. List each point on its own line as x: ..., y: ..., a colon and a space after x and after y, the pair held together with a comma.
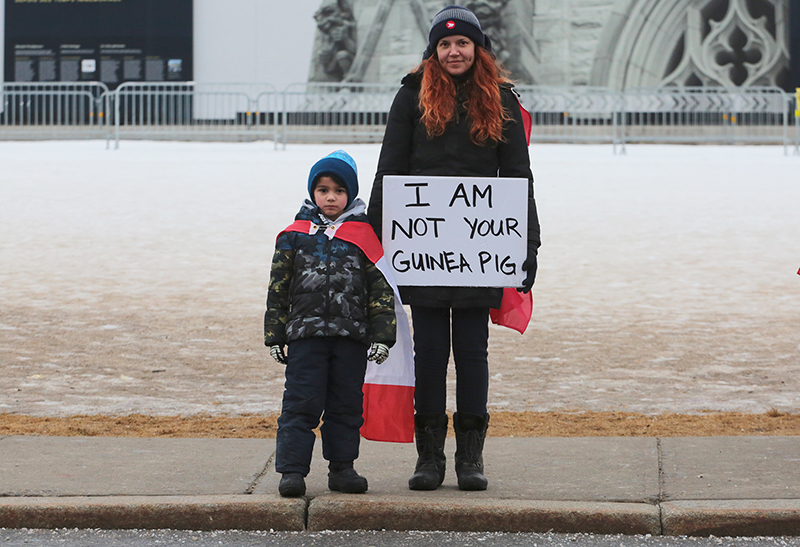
x: 378, y: 352
x: 277, y: 353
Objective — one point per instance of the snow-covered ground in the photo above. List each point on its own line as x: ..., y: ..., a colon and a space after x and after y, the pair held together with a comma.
x: 134, y: 280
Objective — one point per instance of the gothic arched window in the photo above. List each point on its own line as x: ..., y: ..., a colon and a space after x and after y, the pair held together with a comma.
x: 731, y: 43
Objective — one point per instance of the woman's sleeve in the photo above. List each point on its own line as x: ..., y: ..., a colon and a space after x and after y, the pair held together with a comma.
x: 515, y: 162
x: 395, y: 156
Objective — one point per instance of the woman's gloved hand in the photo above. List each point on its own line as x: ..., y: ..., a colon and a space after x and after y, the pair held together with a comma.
x: 530, y: 265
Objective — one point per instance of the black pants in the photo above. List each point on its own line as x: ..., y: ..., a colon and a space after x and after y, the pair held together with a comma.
x: 324, y: 377
x: 470, y: 341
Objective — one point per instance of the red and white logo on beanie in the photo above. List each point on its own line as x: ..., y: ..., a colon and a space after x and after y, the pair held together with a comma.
x: 451, y: 25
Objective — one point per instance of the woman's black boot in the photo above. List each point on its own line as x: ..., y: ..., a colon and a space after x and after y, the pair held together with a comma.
x: 470, y: 436
x: 430, y: 431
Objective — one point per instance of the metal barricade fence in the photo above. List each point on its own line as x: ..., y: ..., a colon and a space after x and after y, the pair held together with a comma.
x: 53, y: 110
x: 161, y: 110
x: 797, y: 121
x: 344, y: 112
x: 707, y: 115
x: 266, y: 114
x: 573, y: 114
x: 341, y: 112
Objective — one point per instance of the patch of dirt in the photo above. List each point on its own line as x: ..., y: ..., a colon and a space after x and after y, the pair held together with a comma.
x: 502, y: 424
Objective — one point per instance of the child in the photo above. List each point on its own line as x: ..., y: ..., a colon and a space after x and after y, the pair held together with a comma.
x: 335, y: 310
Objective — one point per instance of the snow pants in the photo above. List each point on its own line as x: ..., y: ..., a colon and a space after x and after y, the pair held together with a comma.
x: 324, y: 378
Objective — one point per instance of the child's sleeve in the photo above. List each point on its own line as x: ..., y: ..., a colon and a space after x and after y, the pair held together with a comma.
x: 277, y: 313
x: 383, y: 321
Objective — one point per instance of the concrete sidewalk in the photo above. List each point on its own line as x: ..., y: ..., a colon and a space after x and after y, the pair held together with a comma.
x: 725, y: 486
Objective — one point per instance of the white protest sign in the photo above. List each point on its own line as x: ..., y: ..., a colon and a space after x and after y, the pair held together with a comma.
x: 455, y: 231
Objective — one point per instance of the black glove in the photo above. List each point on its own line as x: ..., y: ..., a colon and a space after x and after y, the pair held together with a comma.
x: 529, y: 266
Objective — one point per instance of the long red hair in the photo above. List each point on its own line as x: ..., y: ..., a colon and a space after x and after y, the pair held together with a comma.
x: 437, y: 98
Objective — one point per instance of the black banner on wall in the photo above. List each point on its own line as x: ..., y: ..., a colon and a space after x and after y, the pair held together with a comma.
x: 110, y: 41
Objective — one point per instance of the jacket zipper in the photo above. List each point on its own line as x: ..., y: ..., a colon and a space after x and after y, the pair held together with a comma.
x: 328, y: 282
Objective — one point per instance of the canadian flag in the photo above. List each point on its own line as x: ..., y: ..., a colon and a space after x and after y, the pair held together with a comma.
x: 516, y: 308
x: 388, y: 387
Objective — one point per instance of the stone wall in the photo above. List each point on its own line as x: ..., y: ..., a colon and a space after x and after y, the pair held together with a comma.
x: 568, y: 33
x: 611, y: 43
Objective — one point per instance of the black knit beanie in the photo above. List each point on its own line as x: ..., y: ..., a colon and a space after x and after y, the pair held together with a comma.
x: 455, y: 20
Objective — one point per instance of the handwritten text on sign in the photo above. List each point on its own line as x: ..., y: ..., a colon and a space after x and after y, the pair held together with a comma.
x: 455, y: 231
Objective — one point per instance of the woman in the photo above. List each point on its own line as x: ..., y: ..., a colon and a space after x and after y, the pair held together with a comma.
x: 455, y: 115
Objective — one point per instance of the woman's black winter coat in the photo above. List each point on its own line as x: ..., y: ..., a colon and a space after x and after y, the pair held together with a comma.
x: 407, y: 150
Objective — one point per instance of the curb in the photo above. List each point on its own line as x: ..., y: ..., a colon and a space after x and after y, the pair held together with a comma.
x: 731, y: 518
x: 334, y: 513
x: 147, y: 512
x: 341, y: 512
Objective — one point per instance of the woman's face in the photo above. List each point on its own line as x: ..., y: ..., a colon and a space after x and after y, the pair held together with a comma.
x: 456, y: 54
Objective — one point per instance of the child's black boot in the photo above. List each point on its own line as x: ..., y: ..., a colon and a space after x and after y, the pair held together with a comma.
x: 343, y: 478
x: 292, y: 485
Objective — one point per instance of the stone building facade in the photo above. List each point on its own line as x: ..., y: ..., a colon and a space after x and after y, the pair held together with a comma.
x: 620, y: 44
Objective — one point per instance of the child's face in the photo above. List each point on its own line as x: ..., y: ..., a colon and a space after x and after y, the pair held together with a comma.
x: 330, y: 197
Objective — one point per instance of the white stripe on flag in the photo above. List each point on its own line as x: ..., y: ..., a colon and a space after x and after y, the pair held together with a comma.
x: 398, y: 369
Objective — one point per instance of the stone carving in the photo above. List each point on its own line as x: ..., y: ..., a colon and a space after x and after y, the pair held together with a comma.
x: 490, y: 14
x: 738, y: 49
x: 621, y: 44
x: 336, y: 43
x: 507, y: 39
x: 388, y: 46
x: 694, y: 43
